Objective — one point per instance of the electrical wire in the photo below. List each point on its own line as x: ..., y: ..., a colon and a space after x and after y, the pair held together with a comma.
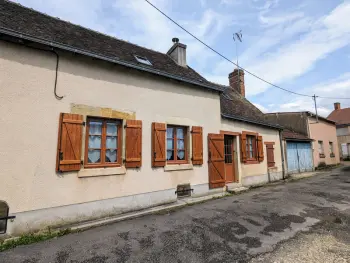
x: 227, y: 59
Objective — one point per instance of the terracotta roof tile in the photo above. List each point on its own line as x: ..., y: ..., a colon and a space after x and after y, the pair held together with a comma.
x: 341, y: 116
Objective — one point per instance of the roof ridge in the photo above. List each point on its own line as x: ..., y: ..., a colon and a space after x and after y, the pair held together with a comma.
x: 83, y: 27
x: 225, y: 86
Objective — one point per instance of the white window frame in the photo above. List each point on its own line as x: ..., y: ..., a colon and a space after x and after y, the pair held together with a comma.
x: 143, y: 60
x: 320, y: 147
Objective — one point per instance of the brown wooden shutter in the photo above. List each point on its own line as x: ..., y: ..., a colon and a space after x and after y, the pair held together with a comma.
x: 216, y: 160
x: 260, y: 146
x: 243, y: 137
x: 197, y: 145
x: 133, y: 144
x: 158, y: 144
x: 70, y: 134
x: 270, y: 155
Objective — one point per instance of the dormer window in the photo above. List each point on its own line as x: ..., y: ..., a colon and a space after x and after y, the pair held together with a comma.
x: 143, y: 60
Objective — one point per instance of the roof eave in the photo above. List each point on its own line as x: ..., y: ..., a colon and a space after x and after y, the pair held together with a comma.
x: 251, y: 121
x: 298, y: 139
x: 68, y: 48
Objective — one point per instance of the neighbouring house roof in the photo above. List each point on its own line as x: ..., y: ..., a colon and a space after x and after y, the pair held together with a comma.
x: 341, y: 116
x: 235, y: 106
x: 308, y: 113
x: 25, y: 23
x: 295, y: 136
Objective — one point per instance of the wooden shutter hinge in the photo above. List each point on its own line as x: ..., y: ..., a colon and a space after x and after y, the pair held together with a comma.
x: 84, y: 123
x: 82, y: 162
x: 61, y: 156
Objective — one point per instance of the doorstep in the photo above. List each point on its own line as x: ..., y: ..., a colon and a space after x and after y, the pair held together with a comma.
x: 303, y: 175
x: 235, y: 188
x: 153, y: 210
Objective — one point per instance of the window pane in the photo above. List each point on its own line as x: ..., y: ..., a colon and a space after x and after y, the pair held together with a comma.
x: 169, y: 132
x: 94, y: 141
x: 180, y: 144
x: 181, y: 155
x: 170, y: 155
x: 180, y: 133
x: 95, y: 127
x: 111, y: 142
x: 94, y: 156
x: 170, y: 144
x: 111, y: 156
x: 112, y: 129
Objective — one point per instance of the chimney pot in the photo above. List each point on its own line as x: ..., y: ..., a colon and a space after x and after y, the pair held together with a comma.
x: 236, y: 80
x: 337, y: 106
x: 178, y: 52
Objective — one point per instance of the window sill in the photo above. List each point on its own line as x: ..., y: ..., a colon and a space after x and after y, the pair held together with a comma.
x: 178, y: 167
x: 251, y: 162
x: 101, y: 172
x: 272, y: 168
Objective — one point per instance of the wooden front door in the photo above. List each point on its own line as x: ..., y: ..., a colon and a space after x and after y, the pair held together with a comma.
x: 216, y: 160
x: 229, y: 159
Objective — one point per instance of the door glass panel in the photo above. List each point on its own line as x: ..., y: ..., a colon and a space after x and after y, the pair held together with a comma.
x: 228, y: 142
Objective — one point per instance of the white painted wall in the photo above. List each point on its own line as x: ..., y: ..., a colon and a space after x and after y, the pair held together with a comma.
x: 268, y: 135
x: 29, y: 119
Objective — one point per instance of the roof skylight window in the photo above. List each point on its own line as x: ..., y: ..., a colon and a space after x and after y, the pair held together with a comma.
x: 143, y: 60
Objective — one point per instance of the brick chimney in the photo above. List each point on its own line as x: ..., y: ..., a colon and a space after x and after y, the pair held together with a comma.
x: 178, y: 52
x: 236, y: 79
x: 337, y: 106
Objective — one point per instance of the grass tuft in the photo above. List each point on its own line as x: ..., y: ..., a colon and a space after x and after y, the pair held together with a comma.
x: 30, y: 238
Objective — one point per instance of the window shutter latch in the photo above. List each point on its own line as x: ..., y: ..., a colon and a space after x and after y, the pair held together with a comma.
x: 82, y: 162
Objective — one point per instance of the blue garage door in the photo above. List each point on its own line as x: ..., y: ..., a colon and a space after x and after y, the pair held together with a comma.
x: 299, y: 157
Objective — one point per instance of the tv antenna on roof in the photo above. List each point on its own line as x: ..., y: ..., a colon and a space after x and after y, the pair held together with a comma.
x: 237, y: 37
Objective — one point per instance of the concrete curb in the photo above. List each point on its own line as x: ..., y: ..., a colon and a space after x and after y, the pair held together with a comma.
x: 154, y: 210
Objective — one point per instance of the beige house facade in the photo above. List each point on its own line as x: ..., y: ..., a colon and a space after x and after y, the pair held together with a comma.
x: 89, y: 136
x: 316, y: 137
x: 325, y: 146
x: 341, y: 116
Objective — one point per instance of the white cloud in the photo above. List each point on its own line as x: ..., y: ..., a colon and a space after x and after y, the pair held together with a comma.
x: 296, y: 58
x: 337, y: 87
x: 280, y: 57
x: 261, y: 107
x: 282, y: 18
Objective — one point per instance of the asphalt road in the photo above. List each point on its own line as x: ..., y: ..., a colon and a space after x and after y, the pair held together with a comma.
x: 232, y: 229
